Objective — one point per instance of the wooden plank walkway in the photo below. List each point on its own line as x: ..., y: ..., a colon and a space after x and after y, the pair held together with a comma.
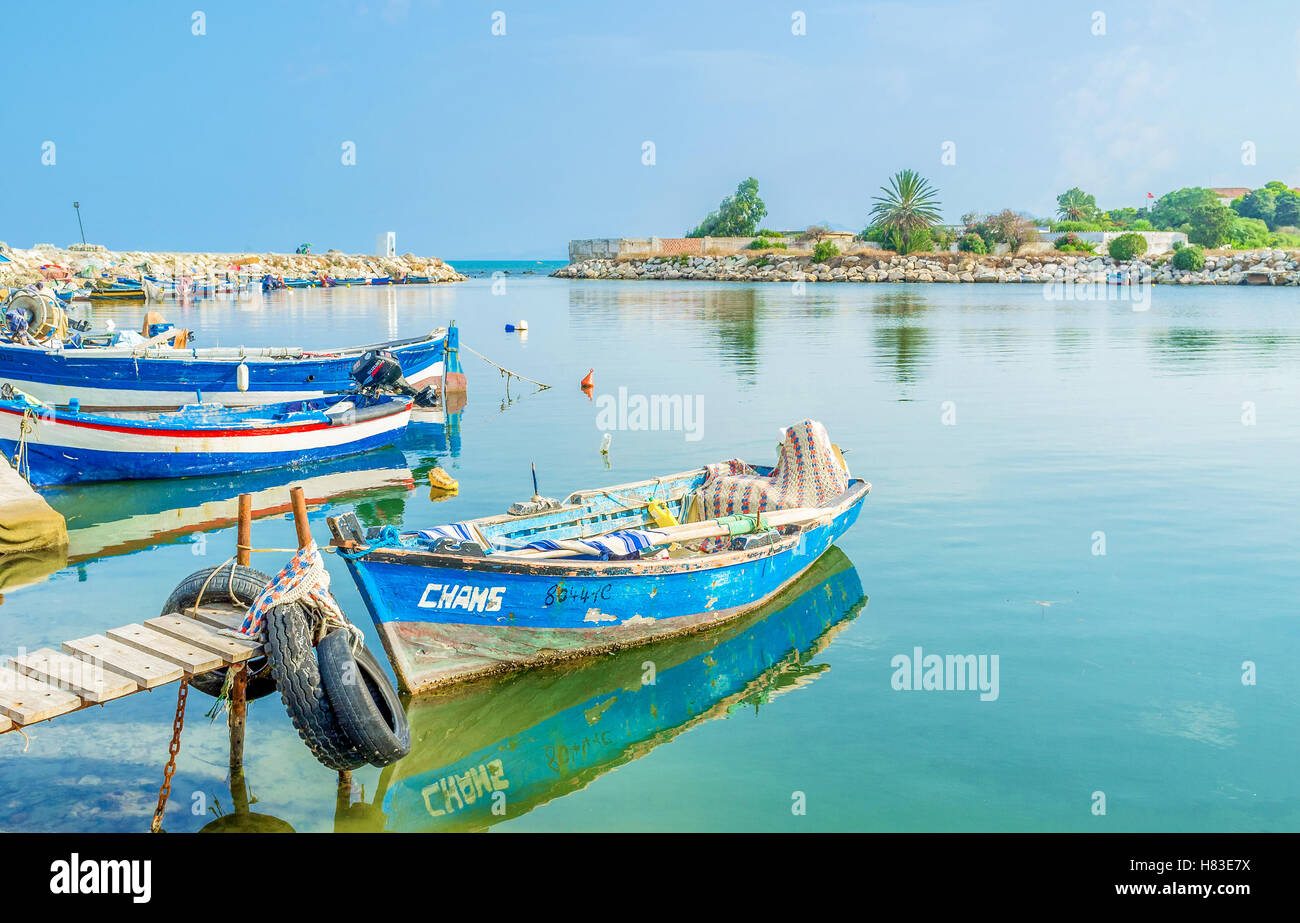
x: 46, y: 683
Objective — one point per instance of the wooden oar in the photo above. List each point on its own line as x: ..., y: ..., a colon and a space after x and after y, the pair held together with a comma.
x: 691, y: 531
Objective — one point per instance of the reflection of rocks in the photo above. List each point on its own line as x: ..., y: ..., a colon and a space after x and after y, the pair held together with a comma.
x: 25, y: 568
x: 1262, y: 267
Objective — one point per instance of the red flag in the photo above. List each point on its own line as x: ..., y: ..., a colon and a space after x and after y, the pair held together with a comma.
x: 1150, y: 196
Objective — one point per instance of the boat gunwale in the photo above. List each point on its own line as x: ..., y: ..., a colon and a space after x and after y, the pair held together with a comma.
x: 502, y: 562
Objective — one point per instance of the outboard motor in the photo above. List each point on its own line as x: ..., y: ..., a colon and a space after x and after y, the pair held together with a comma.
x: 380, y: 370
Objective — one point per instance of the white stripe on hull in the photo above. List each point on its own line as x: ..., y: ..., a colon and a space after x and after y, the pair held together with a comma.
x: 91, y: 398
x: 57, y: 433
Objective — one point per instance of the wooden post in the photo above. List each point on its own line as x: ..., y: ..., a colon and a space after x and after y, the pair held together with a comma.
x: 237, y: 715
x: 244, y: 536
x: 299, y: 501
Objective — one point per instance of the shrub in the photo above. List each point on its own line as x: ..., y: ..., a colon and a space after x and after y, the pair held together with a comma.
x: 764, y: 232
x: 1127, y: 246
x: 762, y: 243
x: 1178, y: 245
x: 1247, y: 234
x: 972, y: 242
x: 1070, y: 243
x: 1189, y: 259
x: 1062, y: 226
x: 823, y: 250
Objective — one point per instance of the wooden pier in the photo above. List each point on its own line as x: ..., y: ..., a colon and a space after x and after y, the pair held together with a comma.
x: 98, y: 668
x: 46, y: 683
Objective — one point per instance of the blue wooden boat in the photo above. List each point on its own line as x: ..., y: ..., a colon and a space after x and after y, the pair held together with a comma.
x: 544, y: 734
x: 482, y: 596
x: 381, y: 280
x: 351, y: 280
x: 163, y: 377
x: 49, y: 446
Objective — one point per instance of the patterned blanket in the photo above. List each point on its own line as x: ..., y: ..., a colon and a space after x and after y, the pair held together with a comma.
x: 808, y: 472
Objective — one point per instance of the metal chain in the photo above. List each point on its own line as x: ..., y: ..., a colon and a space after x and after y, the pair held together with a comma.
x: 178, y: 723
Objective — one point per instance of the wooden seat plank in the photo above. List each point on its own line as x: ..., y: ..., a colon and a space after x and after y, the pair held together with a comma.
x: 200, y: 635
x: 145, y: 669
x: 5, y: 724
x: 165, y: 647
x: 26, y: 701
x: 83, y: 678
x: 217, y: 616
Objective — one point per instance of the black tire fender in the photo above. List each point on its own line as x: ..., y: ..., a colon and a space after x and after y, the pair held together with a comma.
x: 246, y: 584
x: 297, y: 676
x: 365, y: 703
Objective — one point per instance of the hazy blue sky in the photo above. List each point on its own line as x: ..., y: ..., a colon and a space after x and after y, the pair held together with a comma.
x: 472, y: 145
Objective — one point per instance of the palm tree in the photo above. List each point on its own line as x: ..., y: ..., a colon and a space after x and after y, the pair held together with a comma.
x: 1076, y: 205
x: 908, y: 204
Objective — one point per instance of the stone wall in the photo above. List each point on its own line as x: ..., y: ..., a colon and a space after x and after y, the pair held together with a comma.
x: 613, y: 248
x: 1157, y: 241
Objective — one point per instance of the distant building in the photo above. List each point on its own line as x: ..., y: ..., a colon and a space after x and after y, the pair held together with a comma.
x: 1227, y: 193
x: 386, y: 244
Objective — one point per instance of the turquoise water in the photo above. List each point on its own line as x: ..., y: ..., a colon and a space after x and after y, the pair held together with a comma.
x: 1118, y: 673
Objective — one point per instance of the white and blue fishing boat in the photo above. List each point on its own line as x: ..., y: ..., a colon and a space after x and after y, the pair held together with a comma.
x: 159, y: 376
x: 52, y: 446
x: 603, y: 570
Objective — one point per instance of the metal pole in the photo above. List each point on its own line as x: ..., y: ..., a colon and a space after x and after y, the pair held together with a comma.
x: 77, y: 206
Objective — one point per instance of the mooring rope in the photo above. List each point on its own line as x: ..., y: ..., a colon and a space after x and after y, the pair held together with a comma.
x: 506, y: 371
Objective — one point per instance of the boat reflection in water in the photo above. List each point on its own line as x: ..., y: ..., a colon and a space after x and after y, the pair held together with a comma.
x: 541, y: 734
x: 118, y: 518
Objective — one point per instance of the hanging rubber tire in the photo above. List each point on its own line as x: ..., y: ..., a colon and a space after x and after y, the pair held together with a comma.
x: 297, y: 676
x: 365, y: 703
x: 246, y: 584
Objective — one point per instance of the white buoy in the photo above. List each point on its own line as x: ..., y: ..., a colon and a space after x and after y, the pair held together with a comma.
x: 522, y: 325
x: 241, y: 376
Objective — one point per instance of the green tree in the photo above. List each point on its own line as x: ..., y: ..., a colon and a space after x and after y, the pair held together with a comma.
x: 1208, y: 225
x: 739, y: 215
x: 1174, y: 209
x: 1259, y: 203
x: 1076, y: 205
x: 908, y: 206
x: 1247, y: 233
x: 1287, y: 212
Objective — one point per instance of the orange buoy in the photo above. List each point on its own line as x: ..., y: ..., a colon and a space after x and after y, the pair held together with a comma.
x: 588, y: 382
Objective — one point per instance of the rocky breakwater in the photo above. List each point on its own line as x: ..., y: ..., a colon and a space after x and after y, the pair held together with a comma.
x: 26, y: 265
x: 1269, y: 267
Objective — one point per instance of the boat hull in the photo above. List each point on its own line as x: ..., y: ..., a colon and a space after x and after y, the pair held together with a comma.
x: 110, y: 377
x: 75, y: 448
x: 445, y: 624
x: 542, y: 735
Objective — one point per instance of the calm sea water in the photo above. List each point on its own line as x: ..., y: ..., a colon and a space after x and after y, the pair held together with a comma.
x: 1007, y: 437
